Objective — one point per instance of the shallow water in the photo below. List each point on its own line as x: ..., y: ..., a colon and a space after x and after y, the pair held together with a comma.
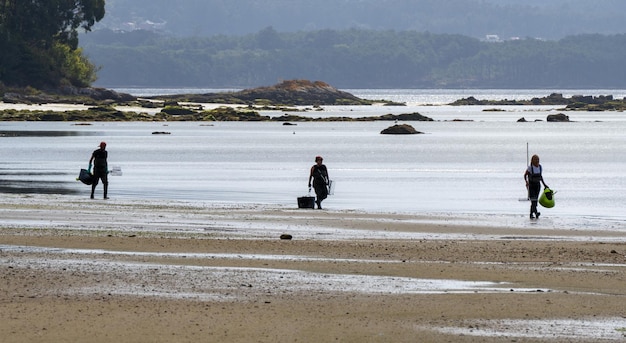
x: 470, y: 167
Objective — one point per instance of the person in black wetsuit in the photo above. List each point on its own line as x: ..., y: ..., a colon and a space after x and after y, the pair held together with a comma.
x: 100, y: 168
x: 534, y: 179
x: 319, y: 175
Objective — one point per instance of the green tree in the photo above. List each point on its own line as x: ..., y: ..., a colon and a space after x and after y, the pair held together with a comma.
x: 39, y: 40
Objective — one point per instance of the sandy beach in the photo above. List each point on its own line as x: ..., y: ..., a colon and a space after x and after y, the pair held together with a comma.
x: 78, y: 270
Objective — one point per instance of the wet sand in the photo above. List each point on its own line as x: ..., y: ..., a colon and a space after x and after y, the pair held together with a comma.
x: 76, y: 269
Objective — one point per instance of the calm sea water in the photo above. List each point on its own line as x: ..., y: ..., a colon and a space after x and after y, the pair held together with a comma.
x: 472, y: 166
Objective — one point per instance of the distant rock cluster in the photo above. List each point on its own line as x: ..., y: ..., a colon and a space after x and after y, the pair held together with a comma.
x: 559, y: 117
x: 574, y: 103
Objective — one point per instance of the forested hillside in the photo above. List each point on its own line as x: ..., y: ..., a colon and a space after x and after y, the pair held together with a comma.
x: 552, y: 19
x: 347, y: 43
x: 356, y: 59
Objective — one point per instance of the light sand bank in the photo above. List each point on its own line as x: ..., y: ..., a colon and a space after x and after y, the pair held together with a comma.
x: 81, y: 270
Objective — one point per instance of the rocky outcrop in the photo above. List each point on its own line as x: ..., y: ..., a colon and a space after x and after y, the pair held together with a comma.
x: 291, y: 93
x: 405, y: 117
x: 401, y: 129
x: 472, y: 101
x: 67, y: 95
x: 575, y: 103
x: 99, y: 94
x: 560, y: 117
x: 223, y: 113
x: 552, y: 99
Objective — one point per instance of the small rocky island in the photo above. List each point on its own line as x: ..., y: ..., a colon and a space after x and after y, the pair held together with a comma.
x: 286, y: 93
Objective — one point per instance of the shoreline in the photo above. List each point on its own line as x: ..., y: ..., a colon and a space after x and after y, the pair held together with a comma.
x: 267, y: 221
x: 176, y: 271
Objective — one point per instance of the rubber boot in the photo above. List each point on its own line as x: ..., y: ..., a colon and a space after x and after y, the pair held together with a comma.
x: 106, y: 188
x: 93, y: 189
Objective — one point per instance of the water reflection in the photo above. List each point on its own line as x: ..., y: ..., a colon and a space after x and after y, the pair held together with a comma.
x: 36, y: 187
x: 36, y: 182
